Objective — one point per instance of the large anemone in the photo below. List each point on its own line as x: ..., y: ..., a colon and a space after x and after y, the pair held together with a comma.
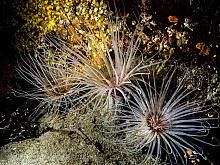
x: 161, y: 122
x: 117, y: 62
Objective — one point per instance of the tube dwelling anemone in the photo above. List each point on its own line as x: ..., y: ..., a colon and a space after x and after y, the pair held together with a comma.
x: 50, y: 83
x: 119, y: 61
x: 65, y: 75
x: 164, y: 126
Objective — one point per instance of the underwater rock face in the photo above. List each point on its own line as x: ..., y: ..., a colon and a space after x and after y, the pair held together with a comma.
x: 51, y: 148
x: 70, y: 140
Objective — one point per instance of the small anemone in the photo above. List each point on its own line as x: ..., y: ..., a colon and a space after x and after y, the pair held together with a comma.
x: 164, y: 123
x: 49, y: 82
